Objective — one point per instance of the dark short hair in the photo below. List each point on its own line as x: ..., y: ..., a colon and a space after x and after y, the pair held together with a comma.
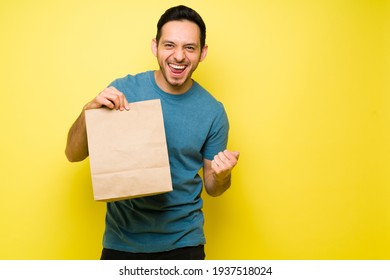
x: 182, y: 13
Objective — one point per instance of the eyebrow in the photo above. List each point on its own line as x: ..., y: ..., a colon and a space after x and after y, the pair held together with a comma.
x: 191, y: 44
x: 186, y: 44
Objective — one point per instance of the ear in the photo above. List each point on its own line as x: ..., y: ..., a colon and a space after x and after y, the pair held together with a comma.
x: 154, y: 47
x: 203, y: 54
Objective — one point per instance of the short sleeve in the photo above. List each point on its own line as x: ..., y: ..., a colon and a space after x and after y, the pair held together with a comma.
x: 217, y: 138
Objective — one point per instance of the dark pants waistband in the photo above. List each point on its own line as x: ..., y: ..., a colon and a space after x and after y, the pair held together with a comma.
x: 185, y: 253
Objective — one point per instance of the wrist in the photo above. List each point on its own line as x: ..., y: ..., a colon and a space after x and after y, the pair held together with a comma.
x: 87, y: 107
x: 221, y: 178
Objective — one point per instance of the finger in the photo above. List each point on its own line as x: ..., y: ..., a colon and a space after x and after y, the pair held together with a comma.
x: 232, y: 155
x: 216, y: 167
x: 125, y: 104
x: 236, y: 154
x: 115, y: 97
x: 221, y: 158
x: 122, y: 103
x: 226, y: 159
x: 103, y: 101
x: 224, y: 156
x: 221, y: 162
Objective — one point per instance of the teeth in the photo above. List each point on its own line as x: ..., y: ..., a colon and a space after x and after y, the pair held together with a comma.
x: 178, y: 67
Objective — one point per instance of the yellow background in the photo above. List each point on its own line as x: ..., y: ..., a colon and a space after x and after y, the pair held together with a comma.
x: 305, y: 84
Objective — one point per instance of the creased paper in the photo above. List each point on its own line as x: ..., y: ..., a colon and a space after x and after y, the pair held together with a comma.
x: 128, y: 151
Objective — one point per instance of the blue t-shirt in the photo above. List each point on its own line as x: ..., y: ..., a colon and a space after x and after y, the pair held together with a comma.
x: 196, y: 127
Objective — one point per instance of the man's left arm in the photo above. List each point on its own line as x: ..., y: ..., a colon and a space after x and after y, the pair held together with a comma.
x: 217, y: 172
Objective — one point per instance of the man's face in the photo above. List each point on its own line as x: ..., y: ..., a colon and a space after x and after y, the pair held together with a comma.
x: 178, y: 54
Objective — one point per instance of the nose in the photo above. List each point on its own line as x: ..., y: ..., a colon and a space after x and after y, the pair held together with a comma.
x: 179, y: 55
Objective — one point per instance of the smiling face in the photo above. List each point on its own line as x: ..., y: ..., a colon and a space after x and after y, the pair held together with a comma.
x: 178, y: 54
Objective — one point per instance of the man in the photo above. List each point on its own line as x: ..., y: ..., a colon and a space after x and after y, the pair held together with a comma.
x: 170, y: 225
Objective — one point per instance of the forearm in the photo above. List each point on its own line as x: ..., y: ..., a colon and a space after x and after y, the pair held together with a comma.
x: 77, y: 143
x: 216, y: 185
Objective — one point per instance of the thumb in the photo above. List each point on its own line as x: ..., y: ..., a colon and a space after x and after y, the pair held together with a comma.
x: 236, y: 154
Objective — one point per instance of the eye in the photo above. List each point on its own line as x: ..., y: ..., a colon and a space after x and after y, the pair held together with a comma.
x: 190, y: 48
x: 168, y: 45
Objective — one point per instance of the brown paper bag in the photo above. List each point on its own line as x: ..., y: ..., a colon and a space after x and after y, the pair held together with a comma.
x: 128, y: 151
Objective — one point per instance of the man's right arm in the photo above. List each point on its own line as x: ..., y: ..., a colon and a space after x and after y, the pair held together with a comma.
x: 77, y: 142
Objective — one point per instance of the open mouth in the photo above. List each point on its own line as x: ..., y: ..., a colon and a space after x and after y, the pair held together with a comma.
x: 177, y: 69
